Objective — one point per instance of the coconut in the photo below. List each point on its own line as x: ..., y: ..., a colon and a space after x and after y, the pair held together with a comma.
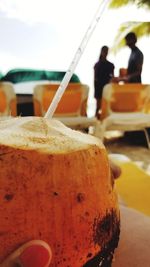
x: 56, y: 185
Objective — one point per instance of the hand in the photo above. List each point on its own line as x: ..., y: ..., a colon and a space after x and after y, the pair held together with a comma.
x: 124, y: 79
x: 115, y: 80
x: 35, y: 253
x: 115, y: 170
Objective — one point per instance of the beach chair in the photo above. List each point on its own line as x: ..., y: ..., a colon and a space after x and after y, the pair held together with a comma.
x: 126, y: 107
x: 71, y: 109
x: 8, y: 102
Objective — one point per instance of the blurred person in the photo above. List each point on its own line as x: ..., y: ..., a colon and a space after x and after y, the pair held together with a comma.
x: 135, y: 62
x: 103, y: 73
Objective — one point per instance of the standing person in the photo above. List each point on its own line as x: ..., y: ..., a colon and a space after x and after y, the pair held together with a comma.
x: 103, y: 72
x: 135, y: 62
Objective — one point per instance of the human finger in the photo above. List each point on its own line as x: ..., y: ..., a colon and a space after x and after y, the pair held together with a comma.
x: 36, y: 253
x: 115, y: 170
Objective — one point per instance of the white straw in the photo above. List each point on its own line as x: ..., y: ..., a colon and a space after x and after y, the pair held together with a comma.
x: 75, y: 60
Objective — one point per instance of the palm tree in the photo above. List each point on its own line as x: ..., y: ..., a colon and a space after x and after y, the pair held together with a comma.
x: 140, y: 28
x: 120, y: 3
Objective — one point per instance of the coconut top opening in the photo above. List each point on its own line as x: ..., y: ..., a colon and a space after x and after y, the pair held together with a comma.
x: 47, y: 135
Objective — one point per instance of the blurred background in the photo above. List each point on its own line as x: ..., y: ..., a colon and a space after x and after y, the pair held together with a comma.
x: 45, y: 34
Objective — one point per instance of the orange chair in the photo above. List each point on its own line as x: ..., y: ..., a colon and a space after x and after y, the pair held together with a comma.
x: 71, y: 109
x: 72, y: 103
x: 8, y: 102
x: 126, y: 107
x: 124, y: 98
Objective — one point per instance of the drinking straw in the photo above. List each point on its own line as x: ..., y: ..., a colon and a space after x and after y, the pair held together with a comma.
x: 62, y: 87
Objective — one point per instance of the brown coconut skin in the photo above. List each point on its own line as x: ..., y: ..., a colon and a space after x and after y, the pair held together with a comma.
x: 59, y: 197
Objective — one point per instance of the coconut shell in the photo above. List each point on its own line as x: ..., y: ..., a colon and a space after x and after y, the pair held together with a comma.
x: 56, y: 185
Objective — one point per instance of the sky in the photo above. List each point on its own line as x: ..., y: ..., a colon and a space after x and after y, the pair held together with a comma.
x: 45, y: 34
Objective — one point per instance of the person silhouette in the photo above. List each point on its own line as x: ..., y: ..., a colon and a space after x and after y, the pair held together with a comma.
x: 103, y: 73
x: 135, y: 61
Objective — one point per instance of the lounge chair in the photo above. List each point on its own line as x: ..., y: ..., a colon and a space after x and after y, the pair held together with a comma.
x: 126, y: 107
x: 8, y: 103
x: 71, y: 109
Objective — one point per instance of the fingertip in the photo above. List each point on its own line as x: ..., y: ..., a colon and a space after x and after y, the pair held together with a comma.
x: 115, y: 170
x: 36, y: 254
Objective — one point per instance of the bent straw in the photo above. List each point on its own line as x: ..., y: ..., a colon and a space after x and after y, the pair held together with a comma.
x: 62, y: 87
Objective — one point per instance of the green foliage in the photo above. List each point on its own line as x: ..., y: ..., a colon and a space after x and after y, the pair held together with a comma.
x: 140, y: 28
x: 120, y: 3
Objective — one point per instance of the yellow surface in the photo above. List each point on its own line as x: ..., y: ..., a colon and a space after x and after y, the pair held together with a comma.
x: 134, y: 187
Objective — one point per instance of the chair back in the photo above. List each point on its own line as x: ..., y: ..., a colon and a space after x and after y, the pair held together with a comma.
x: 128, y: 97
x: 72, y: 103
x: 8, y: 102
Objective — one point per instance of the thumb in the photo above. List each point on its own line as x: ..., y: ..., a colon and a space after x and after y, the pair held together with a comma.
x: 34, y: 253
